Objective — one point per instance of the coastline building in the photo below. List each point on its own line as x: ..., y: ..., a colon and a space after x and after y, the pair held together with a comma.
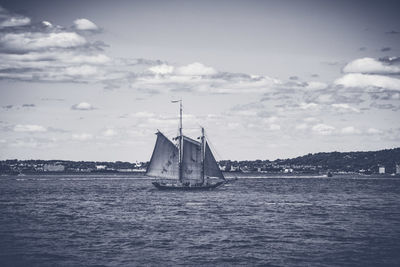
x: 381, y: 169
x: 53, y: 168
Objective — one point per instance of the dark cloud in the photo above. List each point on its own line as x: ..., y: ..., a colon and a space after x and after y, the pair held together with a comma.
x: 385, y: 106
x: 392, y: 32
x: 314, y: 75
x: 362, y: 48
x: 332, y: 63
x: 293, y: 78
x: 386, y: 49
x: 8, y: 107
x: 385, y: 95
x: 390, y: 60
x: 28, y: 105
x: 53, y: 99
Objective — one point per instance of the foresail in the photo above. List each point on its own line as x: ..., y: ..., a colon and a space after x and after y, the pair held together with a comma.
x: 191, y: 163
x: 211, y: 167
x: 164, y: 162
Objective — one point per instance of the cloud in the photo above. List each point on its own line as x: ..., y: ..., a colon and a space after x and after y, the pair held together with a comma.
x: 301, y: 126
x: 367, y: 80
x: 196, y: 69
x: 323, y: 129
x: 162, y: 69
x: 28, y: 105
x: 350, y: 130
x: 82, y: 106
x: 308, y: 105
x: 8, y: 106
x: 371, y: 66
x: 7, y: 19
x: 316, y: 85
x: 345, y: 107
x: 45, y: 52
x: 274, y: 127
x: 392, y: 32
x: 83, y: 70
x: 85, y: 25
x: 109, y: 132
x: 34, y: 41
x: 386, y: 49
x: 82, y: 137
x: 15, y: 21
x: 29, y: 128
x: 47, y: 23
x: 143, y: 114
x: 374, y: 131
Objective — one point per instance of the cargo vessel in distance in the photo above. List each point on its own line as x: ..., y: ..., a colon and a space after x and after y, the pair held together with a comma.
x: 188, y: 165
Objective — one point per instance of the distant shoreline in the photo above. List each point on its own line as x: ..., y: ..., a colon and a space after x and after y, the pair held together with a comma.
x: 228, y: 175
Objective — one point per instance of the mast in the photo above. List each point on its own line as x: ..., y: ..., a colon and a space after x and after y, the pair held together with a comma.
x: 202, y: 155
x: 180, y: 141
x: 180, y: 147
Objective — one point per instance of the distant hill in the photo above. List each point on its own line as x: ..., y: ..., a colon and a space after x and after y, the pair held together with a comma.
x: 350, y: 161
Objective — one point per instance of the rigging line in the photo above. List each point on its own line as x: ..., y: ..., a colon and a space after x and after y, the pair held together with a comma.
x: 212, y: 147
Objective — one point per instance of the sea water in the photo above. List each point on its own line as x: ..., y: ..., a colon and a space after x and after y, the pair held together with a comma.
x: 122, y: 221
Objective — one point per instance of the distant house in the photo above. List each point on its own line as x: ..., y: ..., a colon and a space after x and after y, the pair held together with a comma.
x: 53, y: 168
x: 101, y: 167
x: 381, y: 169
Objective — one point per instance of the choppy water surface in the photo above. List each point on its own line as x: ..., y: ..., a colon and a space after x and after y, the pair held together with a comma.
x: 117, y: 221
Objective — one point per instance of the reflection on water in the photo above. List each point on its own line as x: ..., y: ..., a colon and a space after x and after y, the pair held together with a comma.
x: 119, y: 221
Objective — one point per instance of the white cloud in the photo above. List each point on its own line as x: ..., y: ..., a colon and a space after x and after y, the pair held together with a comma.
x: 371, y: 66
x: 85, y: 25
x: 301, y: 126
x: 31, y: 41
x: 271, y: 119
x: 82, y: 137
x: 325, y: 98
x: 274, y: 127
x: 345, y: 107
x: 374, y: 131
x: 47, y: 23
x: 15, y: 21
x: 310, y: 119
x: 82, y: 106
x: 323, y: 129
x: 316, y: 85
x: 109, y: 132
x: 29, y: 128
x: 308, y: 105
x: 233, y: 125
x: 162, y: 69
x: 368, y: 80
x: 195, y: 69
x: 143, y: 114
x: 84, y: 70
x: 350, y: 130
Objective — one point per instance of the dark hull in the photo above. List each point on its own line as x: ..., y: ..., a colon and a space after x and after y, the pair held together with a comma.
x: 186, y: 188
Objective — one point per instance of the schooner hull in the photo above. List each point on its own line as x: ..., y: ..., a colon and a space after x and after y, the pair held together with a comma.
x: 160, y: 186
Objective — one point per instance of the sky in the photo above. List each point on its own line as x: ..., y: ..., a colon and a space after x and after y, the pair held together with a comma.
x: 94, y: 80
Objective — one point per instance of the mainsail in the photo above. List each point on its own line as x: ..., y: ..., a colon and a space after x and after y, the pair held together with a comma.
x: 191, y: 161
x: 211, y: 167
x: 164, y: 162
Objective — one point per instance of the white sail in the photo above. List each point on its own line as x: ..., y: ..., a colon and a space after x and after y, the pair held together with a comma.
x: 211, y: 167
x: 191, y: 161
x: 164, y: 162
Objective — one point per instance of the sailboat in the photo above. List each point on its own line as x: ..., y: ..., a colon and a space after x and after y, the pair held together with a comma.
x: 188, y: 165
